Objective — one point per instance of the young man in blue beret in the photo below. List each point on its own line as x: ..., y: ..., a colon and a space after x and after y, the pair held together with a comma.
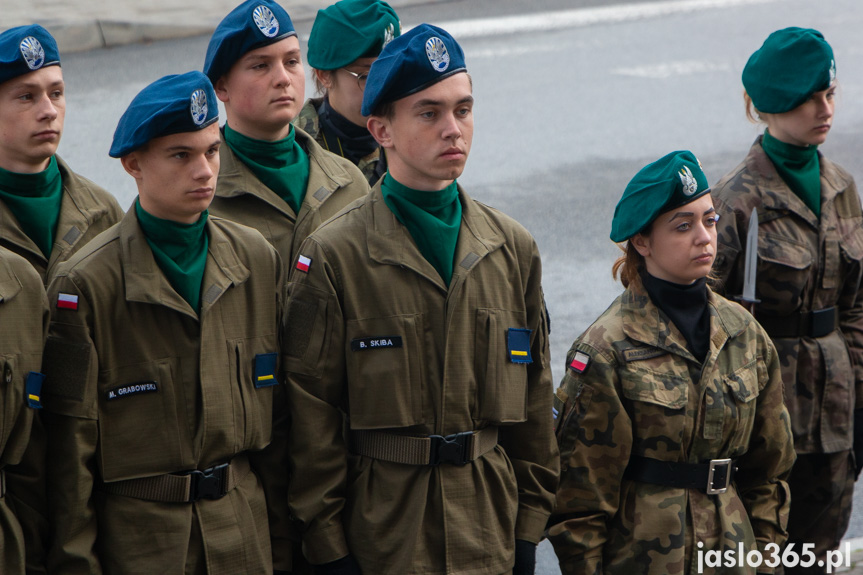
x: 345, y: 40
x: 274, y: 177
x: 417, y: 352
x: 162, y: 367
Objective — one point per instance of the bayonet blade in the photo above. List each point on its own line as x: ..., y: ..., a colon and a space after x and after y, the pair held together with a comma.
x: 750, y: 267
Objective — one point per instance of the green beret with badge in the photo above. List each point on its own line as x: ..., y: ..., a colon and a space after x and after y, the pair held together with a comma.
x: 670, y: 182
x: 349, y: 30
x: 791, y: 65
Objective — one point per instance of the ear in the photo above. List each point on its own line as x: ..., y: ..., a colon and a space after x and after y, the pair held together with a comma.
x: 641, y: 243
x: 221, y: 89
x: 325, y: 78
x: 381, y: 130
x: 132, y: 164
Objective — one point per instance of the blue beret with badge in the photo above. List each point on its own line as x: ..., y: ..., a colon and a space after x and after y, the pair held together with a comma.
x: 791, y: 65
x: 170, y: 105
x: 410, y: 63
x: 672, y: 181
x: 25, y: 49
x: 251, y: 25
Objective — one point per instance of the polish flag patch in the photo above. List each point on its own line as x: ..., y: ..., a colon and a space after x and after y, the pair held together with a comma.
x: 580, y: 362
x: 303, y: 264
x: 67, y: 301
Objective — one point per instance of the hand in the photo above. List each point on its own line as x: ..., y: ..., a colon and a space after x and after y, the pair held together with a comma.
x: 525, y: 558
x: 858, y: 442
x: 345, y: 566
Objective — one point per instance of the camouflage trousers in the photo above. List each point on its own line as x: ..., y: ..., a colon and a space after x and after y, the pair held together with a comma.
x: 822, y: 486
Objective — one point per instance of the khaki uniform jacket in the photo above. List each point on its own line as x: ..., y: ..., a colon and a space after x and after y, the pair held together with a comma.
x: 240, y: 196
x: 308, y: 120
x: 86, y: 210
x: 804, y: 263
x: 450, y: 372
x: 131, y: 327
x: 643, y: 393
x: 24, y: 319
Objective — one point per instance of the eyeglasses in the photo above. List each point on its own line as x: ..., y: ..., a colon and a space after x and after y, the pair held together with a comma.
x: 361, y: 78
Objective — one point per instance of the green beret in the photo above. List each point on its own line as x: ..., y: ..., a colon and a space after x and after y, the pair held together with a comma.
x: 790, y: 66
x: 351, y: 29
x: 669, y: 182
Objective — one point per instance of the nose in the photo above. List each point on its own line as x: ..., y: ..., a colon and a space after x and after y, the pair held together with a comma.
x: 281, y: 76
x: 825, y: 106
x: 451, y: 128
x: 47, y: 109
x: 205, y: 168
x: 705, y: 234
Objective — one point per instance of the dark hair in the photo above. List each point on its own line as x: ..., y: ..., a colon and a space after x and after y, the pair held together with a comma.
x: 385, y: 110
x: 627, y: 266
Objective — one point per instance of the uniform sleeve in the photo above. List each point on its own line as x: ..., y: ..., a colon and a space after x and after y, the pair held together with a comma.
x: 70, y: 416
x: 313, y: 347
x: 530, y: 445
x: 762, y: 478
x: 271, y: 462
x: 594, y: 433
x: 850, y: 306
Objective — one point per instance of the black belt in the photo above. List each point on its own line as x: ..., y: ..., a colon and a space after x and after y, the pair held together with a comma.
x: 712, y: 477
x: 816, y: 323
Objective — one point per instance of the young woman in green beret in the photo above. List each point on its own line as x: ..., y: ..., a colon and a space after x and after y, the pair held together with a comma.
x: 674, y: 439
x: 345, y: 40
x: 808, y: 272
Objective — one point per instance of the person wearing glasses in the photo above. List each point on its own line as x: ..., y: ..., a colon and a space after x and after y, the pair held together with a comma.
x: 274, y: 177
x: 674, y: 438
x: 808, y: 261
x: 346, y: 39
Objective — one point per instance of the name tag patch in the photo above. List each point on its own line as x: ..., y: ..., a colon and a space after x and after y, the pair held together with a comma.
x: 518, y: 345
x: 642, y: 353
x: 377, y: 342
x: 132, y: 389
x: 265, y: 369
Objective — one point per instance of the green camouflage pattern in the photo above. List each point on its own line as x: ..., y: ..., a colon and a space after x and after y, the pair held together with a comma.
x: 307, y: 120
x: 643, y: 393
x: 803, y: 264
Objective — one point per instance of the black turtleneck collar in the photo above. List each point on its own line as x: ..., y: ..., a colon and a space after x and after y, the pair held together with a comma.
x: 342, y: 136
x: 686, y: 307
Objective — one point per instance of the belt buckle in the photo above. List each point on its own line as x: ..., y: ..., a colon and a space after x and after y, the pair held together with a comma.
x: 711, y: 474
x: 449, y: 449
x: 208, y: 484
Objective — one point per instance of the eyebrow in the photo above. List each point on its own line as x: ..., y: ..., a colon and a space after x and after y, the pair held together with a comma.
x: 32, y: 85
x: 181, y: 148
x: 251, y: 57
x: 424, y: 103
x: 690, y: 214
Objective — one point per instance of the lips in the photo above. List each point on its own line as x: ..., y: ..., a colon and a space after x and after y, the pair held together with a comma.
x: 453, y: 153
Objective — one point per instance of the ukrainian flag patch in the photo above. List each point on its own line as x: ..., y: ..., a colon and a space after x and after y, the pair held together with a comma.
x: 518, y: 345
x: 265, y: 369
x: 34, y: 389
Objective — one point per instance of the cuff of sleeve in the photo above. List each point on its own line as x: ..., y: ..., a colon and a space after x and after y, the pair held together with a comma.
x: 530, y: 524
x: 325, y: 545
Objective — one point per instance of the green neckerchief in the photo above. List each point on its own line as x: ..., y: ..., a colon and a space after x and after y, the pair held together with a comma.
x: 798, y: 167
x: 180, y: 250
x: 432, y: 218
x: 35, y: 201
x: 283, y: 166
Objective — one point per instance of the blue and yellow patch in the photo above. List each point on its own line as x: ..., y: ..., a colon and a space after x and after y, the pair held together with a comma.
x: 265, y: 369
x: 518, y: 345
x: 34, y: 389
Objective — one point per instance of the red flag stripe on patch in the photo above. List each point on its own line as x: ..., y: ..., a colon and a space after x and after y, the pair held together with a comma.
x: 67, y: 301
x: 303, y: 263
x: 580, y: 361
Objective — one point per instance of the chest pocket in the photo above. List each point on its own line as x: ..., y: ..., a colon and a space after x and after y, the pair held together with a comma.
x: 731, y: 413
x: 657, y: 407
x: 386, y: 378
x: 255, y: 364
x: 139, y: 430
x: 502, y: 357
x: 14, y: 411
x: 783, y: 272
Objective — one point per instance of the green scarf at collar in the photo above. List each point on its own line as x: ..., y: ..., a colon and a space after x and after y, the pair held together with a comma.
x: 799, y: 167
x: 432, y: 218
x: 180, y: 251
x: 35, y: 201
x: 283, y: 166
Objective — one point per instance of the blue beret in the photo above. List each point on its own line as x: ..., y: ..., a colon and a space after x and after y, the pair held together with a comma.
x: 170, y: 105
x: 412, y: 62
x: 253, y: 24
x: 24, y: 49
x: 671, y: 181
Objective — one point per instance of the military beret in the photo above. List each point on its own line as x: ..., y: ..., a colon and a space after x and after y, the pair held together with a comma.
x: 351, y: 29
x: 670, y: 182
x: 412, y: 62
x: 170, y: 105
x: 253, y: 24
x: 791, y: 65
x: 24, y: 49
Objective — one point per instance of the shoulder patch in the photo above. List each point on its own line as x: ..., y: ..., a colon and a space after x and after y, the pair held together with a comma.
x: 304, y: 263
x: 580, y: 362
x: 641, y: 353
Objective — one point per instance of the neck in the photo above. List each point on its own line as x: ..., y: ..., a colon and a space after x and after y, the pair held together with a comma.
x: 259, y: 132
x: 25, y: 165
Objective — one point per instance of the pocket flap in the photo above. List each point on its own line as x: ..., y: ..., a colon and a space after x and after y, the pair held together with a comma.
x: 665, y: 389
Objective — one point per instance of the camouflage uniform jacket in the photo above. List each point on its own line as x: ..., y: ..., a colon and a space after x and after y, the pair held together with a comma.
x: 451, y: 372
x: 240, y: 196
x: 643, y: 393
x: 804, y: 263
x: 24, y: 316
x: 372, y: 166
x: 204, y: 406
x: 86, y: 210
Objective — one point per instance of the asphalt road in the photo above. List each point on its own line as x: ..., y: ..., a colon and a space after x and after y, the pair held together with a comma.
x: 566, y: 113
